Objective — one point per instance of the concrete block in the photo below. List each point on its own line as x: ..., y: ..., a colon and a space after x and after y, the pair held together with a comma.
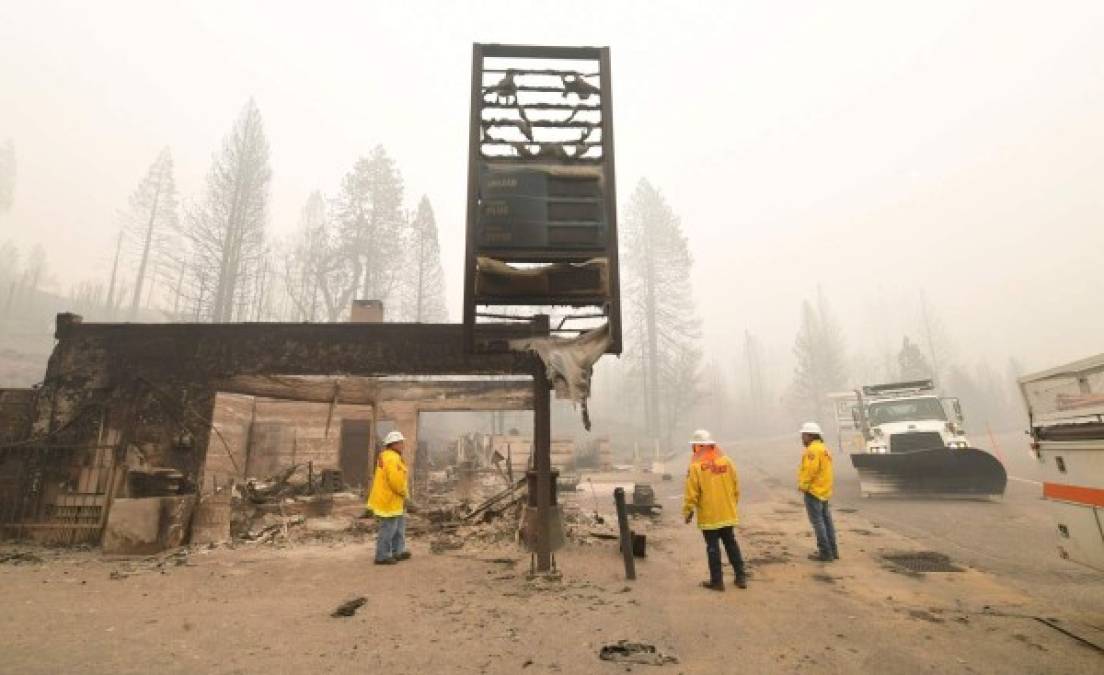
x: 211, y: 524
x: 147, y: 525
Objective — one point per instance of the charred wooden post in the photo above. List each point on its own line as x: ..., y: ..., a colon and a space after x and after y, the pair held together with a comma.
x: 625, y: 534
x: 542, y: 459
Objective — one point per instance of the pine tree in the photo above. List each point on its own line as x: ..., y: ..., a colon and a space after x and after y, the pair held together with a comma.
x: 9, y: 262
x: 661, y: 329
x: 227, y: 228
x: 911, y: 362
x: 424, y: 282
x: 821, y: 359
x: 937, y: 342
x: 316, y: 273
x: 368, y: 211
x: 152, y: 217
x: 7, y: 175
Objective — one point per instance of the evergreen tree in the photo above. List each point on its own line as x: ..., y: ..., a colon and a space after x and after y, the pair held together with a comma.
x: 662, y: 331
x: 316, y: 273
x: 7, y: 175
x: 152, y: 217
x: 821, y: 359
x: 911, y: 362
x: 368, y: 211
x: 424, y: 282
x: 227, y: 228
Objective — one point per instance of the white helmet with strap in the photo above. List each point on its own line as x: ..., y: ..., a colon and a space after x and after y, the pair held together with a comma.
x: 702, y: 437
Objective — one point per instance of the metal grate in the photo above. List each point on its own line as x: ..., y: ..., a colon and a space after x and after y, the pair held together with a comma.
x: 922, y: 561
x: 59, y: 493
x: 915, y: 440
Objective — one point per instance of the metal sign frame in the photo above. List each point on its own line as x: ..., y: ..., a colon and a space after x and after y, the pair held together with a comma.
x: 607, y: 306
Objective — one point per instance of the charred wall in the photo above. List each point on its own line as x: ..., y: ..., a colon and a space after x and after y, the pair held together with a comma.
x: 128, y: 395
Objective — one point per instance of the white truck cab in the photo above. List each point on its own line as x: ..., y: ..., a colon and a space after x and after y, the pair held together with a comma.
x: 908, y: 416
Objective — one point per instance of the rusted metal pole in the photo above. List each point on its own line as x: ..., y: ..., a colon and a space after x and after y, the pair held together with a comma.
x: 542, y: 455
x: 626, y: 534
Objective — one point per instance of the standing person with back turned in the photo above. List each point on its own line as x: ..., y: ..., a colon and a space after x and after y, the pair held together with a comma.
x: 814, y: 479
x: 712, y: 491
x: 388, y: 499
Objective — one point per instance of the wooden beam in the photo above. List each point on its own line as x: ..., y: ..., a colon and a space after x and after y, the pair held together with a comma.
x: 198, y: 353
x: 428, y: 396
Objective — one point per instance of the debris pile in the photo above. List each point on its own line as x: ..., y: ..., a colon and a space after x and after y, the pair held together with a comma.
x: 19, y: 558
x: 454, y: 525
x: 296, y: 503
x: 349, y: 607
x: 156, y: 563
x: 641, y: 653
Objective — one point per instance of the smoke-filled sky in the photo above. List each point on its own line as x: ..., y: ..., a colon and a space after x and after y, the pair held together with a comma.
x: 879, y: 150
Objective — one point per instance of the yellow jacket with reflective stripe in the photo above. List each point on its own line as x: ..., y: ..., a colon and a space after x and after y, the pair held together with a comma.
x: 815, y: 475
x: 712, y: 490
x: 389, y: 485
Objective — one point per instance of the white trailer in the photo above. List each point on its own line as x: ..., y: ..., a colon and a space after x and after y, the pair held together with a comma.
x: 1066, y: 408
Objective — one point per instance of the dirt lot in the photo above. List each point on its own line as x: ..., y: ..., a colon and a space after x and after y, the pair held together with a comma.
x: 265, y: 608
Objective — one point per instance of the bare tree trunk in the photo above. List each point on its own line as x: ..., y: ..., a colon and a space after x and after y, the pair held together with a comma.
x: 177, y: 293
x: 652, y: 372
x: 110, y: 303
x: 145, y: 252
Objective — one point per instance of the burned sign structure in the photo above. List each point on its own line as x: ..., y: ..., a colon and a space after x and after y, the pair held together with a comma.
x: 542, y: 230
x: 127, y: 411
x: 542, y: 217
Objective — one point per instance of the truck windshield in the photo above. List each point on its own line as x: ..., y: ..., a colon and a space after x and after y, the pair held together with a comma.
x: 906, y: 410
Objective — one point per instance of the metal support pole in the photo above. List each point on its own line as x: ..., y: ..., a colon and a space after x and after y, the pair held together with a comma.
x: 542, y: 455
x: 626, y: 534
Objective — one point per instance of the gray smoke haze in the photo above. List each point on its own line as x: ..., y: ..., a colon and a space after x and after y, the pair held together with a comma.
x: 878, y: 151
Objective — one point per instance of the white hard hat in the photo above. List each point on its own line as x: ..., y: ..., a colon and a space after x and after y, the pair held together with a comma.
x: 702, y: 437
x: 811, y: 428
x: 393, y: 437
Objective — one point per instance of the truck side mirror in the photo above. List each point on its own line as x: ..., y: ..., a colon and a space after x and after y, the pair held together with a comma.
x: 957, y: 410
x: 855, y: 417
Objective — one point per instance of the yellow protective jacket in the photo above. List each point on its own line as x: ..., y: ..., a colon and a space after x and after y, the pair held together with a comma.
x: 712, y: 490
x: 389, y: 485
x: 815, y: 475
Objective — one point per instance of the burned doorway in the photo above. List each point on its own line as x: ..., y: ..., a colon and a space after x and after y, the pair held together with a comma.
x: 356, y: 451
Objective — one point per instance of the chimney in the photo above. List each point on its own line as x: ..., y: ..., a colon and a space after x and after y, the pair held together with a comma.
x: 366, y: 311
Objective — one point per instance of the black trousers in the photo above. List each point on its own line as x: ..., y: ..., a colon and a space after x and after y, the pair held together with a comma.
x: 713, y: 541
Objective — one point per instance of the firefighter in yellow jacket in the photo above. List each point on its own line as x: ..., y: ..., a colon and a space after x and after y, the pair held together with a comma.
x: 814, y: 480
x: 387, y: 501
x: 712, y: 492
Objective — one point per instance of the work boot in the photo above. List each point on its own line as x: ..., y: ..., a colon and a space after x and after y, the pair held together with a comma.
x: 387, y: 561
x: 740, y: 581
x: 405, y: 555
x: 712, y: 586
x: 820, y: 557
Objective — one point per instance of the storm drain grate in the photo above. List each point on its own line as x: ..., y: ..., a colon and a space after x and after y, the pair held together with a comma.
x: 922, y: 561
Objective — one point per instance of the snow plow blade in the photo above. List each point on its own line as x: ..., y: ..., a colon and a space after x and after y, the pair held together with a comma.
x: 943, y: 471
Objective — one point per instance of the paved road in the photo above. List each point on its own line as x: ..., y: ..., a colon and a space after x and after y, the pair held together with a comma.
x: 1013, y: 538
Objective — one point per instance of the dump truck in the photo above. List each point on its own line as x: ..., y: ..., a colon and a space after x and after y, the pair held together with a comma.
x: 1065, y: 407
x: 914, y: 443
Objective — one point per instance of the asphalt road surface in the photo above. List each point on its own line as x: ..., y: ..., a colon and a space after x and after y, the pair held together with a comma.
x: 1012, y: 538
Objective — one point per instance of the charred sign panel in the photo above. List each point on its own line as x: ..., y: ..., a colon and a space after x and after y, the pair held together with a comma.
x: 542, y: 225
